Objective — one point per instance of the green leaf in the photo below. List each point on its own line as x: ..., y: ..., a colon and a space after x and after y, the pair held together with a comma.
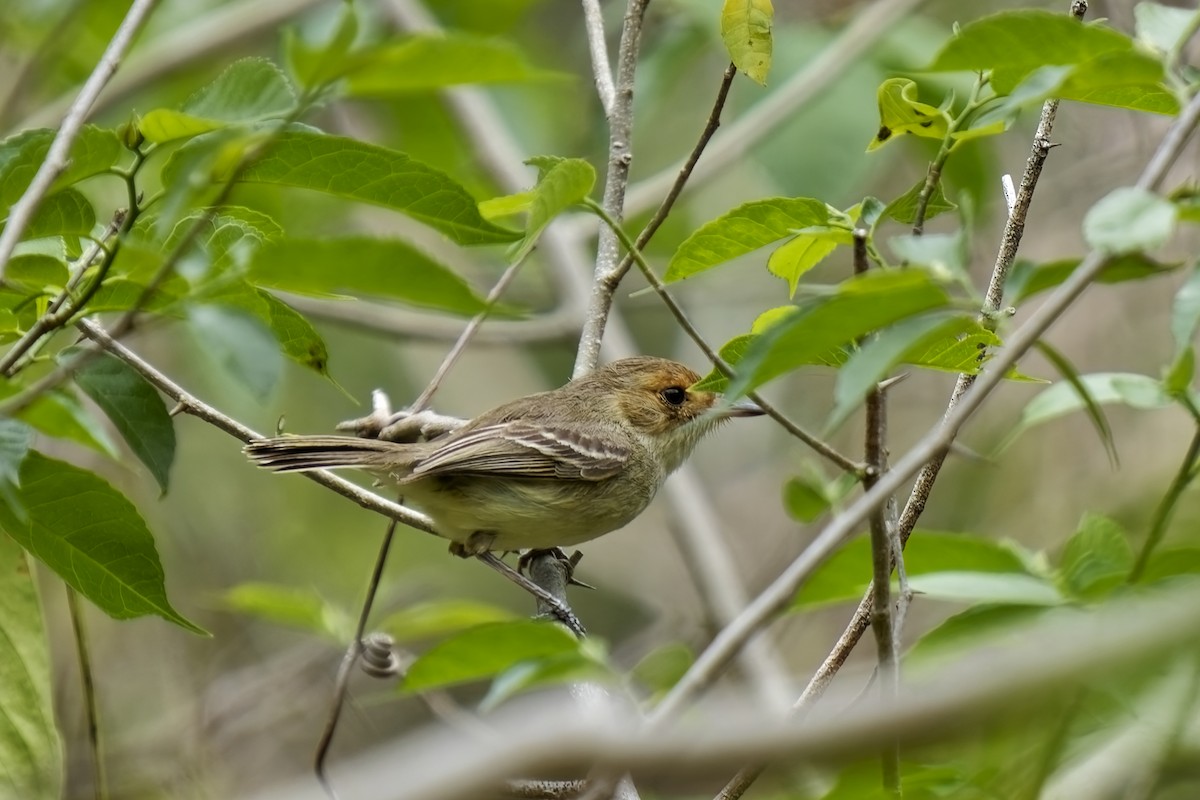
x: 250, y: 90
x: 877, y: 357
x: 662, y: 667
x: 1177, y: 380
x: 746, y: 31
x: 1014, y: 43
x: 239, y: 344
x: 426, y: 62
x: 1172, y: 562
x: 856, y: 307
x: 1096, y: 559
x: 506, y: 206
x: 291, y: 606
x: 1027, y: 278
x: 997, y: 624
x: 136, y: 410
x: 60, y: 415
x: 1129, y: 219
x: 64, y: 213
x: 904, y: 208
x: 315, y: 65
x: 805, y: 498
x: 945, y: 254
x: 743, y: 230
x: 228, y: 238
x: 296, y: 336
x: 901, y: 112
x: 1130, y: 389
x: 792, y: 259
x: 1124, y: 79
x: 93, y: 152
x: 487, y: 650
x: 30, y: 748
x: 366, y: 173
x: 846, y: 575
x: 1185, y: 312
x: 384, y: 268
x: 527, y: 675
x: 1161, y: 26
x: 37, y: 272
x: 439, y: 618
x: 562, y: 183
x: 1094, y: 411
x: 15, y: 439
x: 92, y: 537
x: 980, y: 587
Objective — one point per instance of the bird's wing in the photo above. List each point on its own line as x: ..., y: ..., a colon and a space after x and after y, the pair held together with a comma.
x: 520, y: 449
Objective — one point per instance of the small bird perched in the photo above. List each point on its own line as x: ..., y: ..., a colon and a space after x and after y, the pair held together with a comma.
x: 549, y: 470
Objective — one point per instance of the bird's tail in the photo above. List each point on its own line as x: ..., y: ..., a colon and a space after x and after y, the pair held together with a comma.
x: 304, y: 453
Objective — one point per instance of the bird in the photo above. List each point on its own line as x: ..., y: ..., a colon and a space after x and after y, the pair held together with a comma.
x: 549, y: 470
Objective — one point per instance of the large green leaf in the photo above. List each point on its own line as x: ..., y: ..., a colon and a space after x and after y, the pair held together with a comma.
x: 1130, y: 389
x: 1010, y: 588
x: 66, y: 212
x: 439, y: 618
x: 135, y: 408
x: 93, y: 152
x: 30, y: 749
x: 241, y: 345
x: 487, y: 650
x: 743, y: 230
x: 385, y: 268
x: 847, y: 573
x: 60, y: 415
x: 228, y: 238
x: 1129, y: 218
x: 92, y: 537
x: 364, y: 172
x: 855, y: 308
x: 249, y: 90
x: 296, y: 336
x: 746, y: 31
x: 1096, y: 559
x: 426, y: 62
x: 1027, y: 278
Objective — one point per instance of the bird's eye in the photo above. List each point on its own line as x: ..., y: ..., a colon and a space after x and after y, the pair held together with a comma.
x: 674, y: 395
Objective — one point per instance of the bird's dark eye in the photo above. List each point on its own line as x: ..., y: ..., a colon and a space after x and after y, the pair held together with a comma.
x: 674, y: 395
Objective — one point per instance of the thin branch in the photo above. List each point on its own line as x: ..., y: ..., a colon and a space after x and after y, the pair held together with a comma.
x: 620, y: 156
x: 20, y: 215
x: 593, y: 22
x: 778, y: 595
x: 1166, y: 507
x: 90, y: 705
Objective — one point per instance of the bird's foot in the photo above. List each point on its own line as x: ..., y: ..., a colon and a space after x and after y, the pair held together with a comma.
x: 568, y: 561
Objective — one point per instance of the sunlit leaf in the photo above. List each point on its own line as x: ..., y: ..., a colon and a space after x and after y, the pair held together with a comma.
x: 93, y: 152
x: 746, y: 31
x: 792, y: 259
x: 1027, y: 278
x: 904, y: 208
x: 901, y: 112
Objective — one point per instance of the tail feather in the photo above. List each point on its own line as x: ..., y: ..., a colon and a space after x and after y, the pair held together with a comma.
x: 305, y: 453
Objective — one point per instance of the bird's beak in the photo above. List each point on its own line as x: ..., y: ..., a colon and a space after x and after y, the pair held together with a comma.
x: 742, y: 408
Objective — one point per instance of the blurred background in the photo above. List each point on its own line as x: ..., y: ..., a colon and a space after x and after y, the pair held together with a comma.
x: 218, y: 717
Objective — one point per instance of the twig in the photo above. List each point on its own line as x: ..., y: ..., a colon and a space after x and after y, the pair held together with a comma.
x: 777, y: 596
x: 620, y: 156
x: 55, y: 162
x: 742, y: 136
x: 353, y: 651
x: 882, y: 556
x: 594, y: 25
x: 87, y: 680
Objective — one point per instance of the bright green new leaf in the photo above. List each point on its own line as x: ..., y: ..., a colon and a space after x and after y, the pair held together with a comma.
x: 743, y: 230
x: 735, y: 349
x: 241, y: 345
x: 562, y: 183
x: 1178, y: 375
x: 92, y: 537
x: 93, y: 152
x: 904, y: 208
x: 296, y: 336
x: 506, y: 206
x: 847, y: 573
x: 250, y: 90
x: 901, y: 112
x: 1014, y: 43
x: 1027, y: 278
x: 1130, y: 389
x: 746, y: 31
x: 371, y: 174
x: 1161, y: 26
x: 801, y: 253
x: 440, y: 618
x: 292, y: 606
x: 30, y: 748
x: 982, y: 587
x: 65, y: 213
x: 1097, y: 558
x: 857, y: 307
x: 427, y: 62
x: 1129, y: 219
x: 135, y: 408
x: 487, y: 650
x: 360, y: 266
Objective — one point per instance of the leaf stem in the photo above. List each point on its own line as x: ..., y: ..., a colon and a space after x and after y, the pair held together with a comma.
x: 1166, y: 507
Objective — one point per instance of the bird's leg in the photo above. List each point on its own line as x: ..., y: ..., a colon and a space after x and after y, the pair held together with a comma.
x: 568, y: 562
x: 560, y: 609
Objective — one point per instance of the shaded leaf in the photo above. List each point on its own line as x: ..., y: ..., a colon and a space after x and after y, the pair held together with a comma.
x: 901, y: 112
x: 64, y: 213
x: 1129, y: 219
x: 1185, y: 312
x: 239, y: 344
x: 37, y: 272
x: 296, y: 336
x: 384, y: 268
x: 30, y: 748
x: 1172, y: 562
x: 1094, y: 411
x: 746, y: 31
x: 425, y: 62
x: 487, y: 650
x: 440, y: 617
x: 60, y: 415
x: 805, y: 498
x: 945, y: 254
x: 1027, y: 278
x: 1097, y: 558
x: 743, y: 230
x: 93, y: 152
x: 292, y: 606
x: 135, y: 408
x: 314, y: 65
x: 92, y: 537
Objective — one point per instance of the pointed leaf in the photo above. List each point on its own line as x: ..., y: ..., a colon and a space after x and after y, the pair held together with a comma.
x: 93, y: 152
x: 904, y: 208
x: 135, y: 408
x: 296, y: 336
x: 562, y: 183
x: 314, y: 65
x: 1133, y: 390
x: 746, y: 31
x: 64, y: 213
x: 485, y: 651
x: 801, y: 253
x: 291, y: 606
x: 743, y: 230
x: 60, y: 415
x: 92, y: 537
x: 901, y: 112
x: 525, y: 676
x: 1094, y: 411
